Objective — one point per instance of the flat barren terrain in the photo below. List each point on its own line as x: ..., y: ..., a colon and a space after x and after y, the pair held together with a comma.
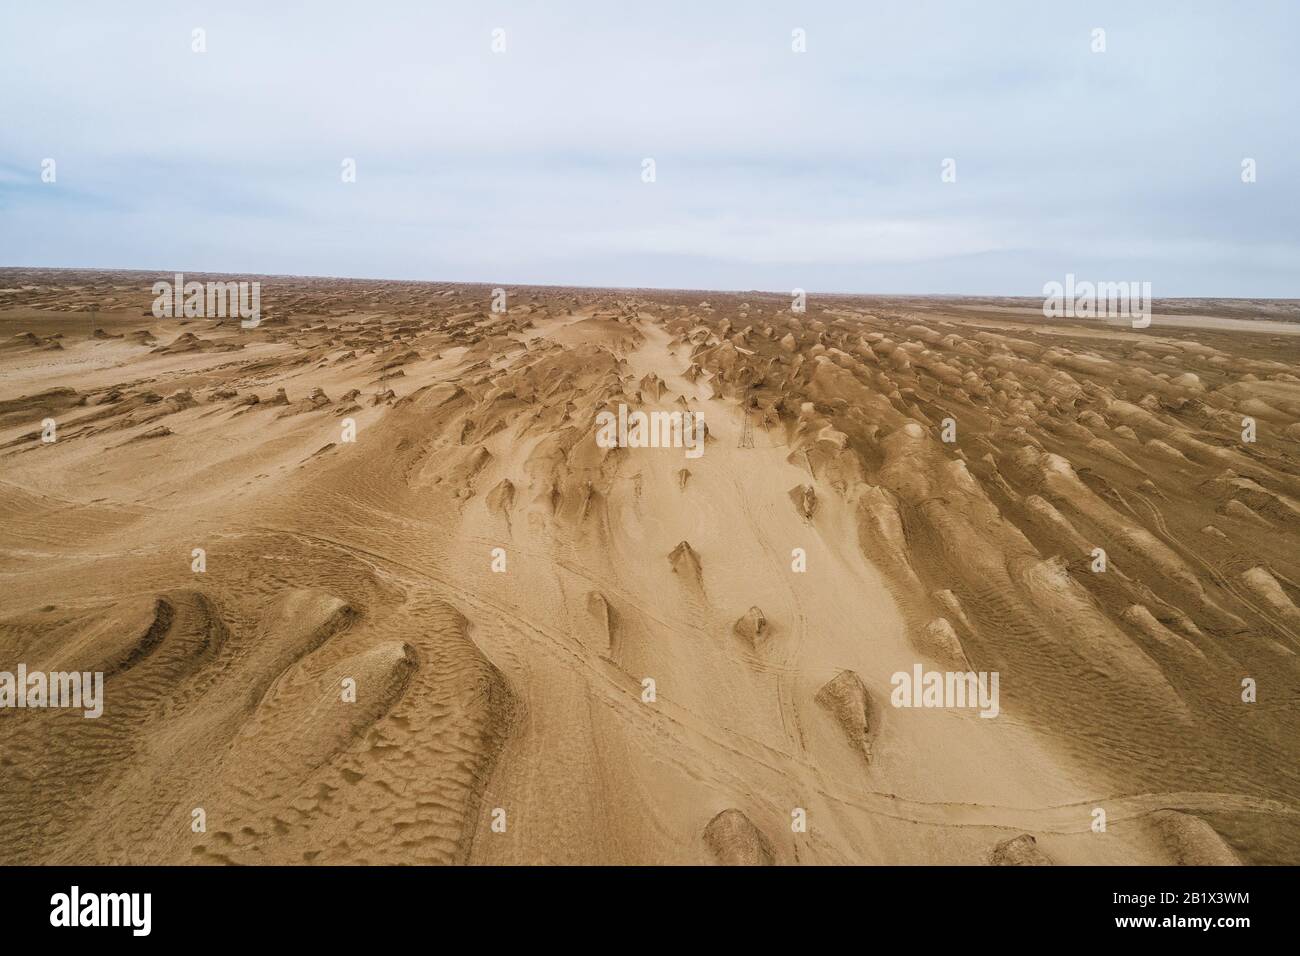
x: 365, y: 585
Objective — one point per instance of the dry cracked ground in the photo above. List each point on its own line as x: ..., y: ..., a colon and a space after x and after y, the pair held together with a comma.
x: 504, y: 716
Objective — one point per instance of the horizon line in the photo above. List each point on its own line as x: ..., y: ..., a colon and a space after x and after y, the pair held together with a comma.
x: 621, y: 288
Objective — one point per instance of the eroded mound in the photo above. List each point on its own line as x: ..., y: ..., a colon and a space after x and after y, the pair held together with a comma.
x: 735, y: 841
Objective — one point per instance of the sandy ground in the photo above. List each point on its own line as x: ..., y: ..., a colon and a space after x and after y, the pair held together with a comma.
x: 502, y: 593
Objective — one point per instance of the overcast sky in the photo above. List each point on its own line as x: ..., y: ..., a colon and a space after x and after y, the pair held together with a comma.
x: 774, y: 169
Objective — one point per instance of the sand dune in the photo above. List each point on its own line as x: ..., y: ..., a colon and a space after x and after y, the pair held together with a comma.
x: 366, y: 585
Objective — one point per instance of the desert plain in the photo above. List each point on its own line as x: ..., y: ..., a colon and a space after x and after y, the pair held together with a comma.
x: 365, y: 588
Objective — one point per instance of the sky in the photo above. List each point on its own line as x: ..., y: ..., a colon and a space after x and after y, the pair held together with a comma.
x: 773, y: 169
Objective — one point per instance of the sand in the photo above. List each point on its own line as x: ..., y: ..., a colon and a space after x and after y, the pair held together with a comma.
x: 474, y: 635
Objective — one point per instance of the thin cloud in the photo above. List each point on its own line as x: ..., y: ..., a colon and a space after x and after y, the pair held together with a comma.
x: 772, y: 167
